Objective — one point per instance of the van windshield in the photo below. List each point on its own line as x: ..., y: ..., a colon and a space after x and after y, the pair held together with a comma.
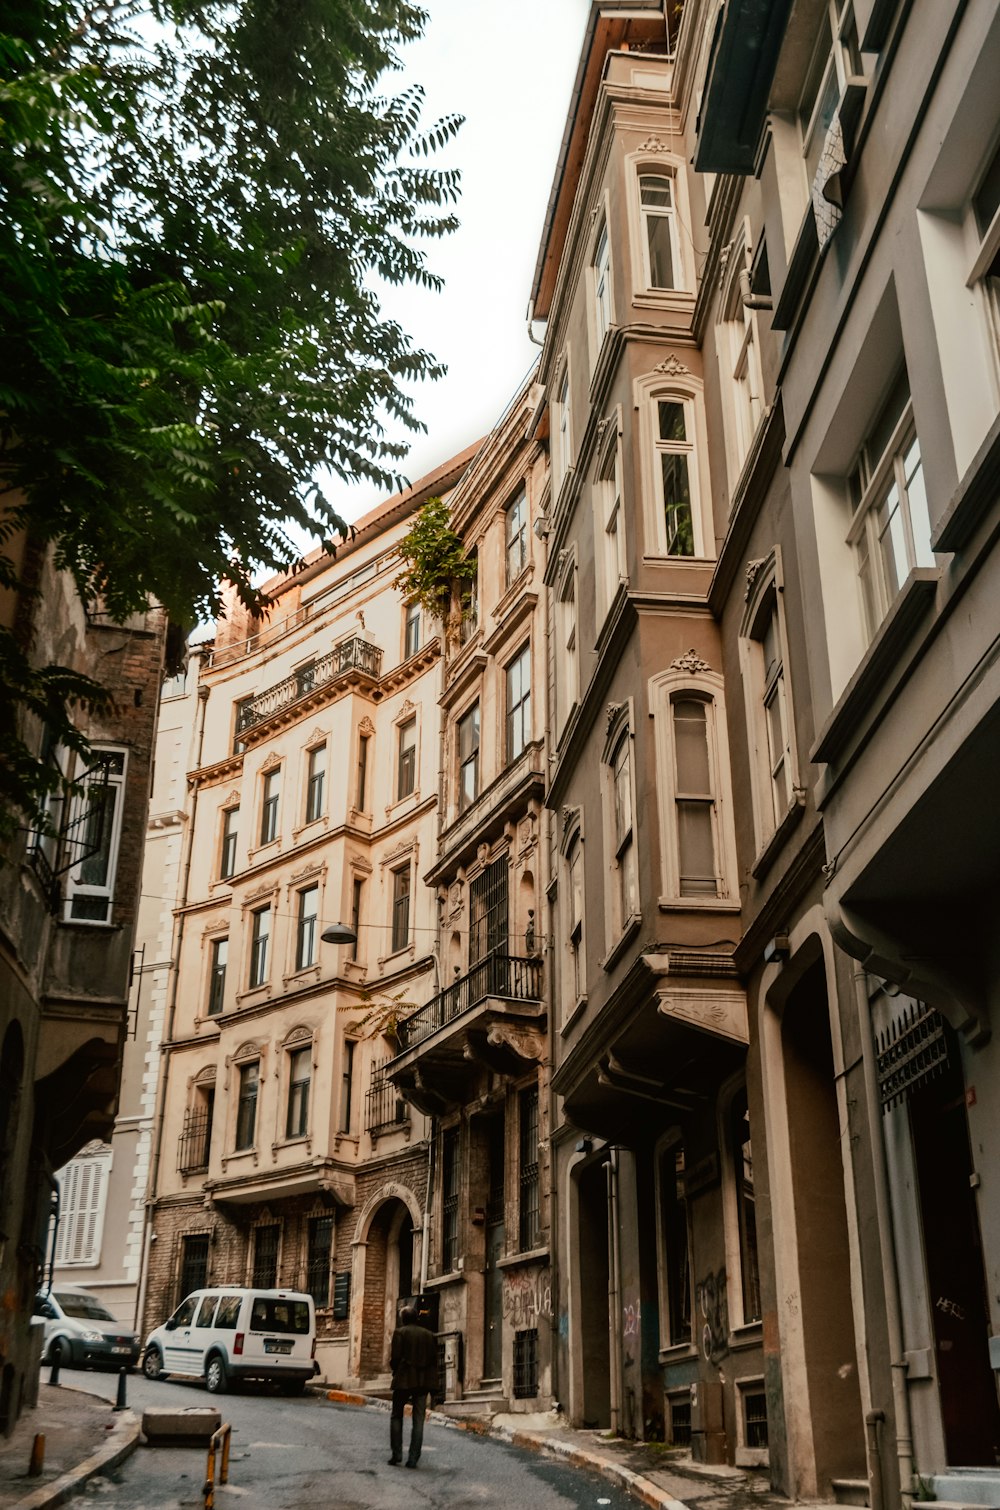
x: 82, y: 1306
x: 280, y: 1316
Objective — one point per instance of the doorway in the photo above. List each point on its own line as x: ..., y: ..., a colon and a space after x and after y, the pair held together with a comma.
x: 495, y: 1236
x: 595, y: 1288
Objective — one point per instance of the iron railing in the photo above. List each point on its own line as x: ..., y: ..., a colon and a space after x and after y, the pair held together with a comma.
x: 384, y: 1106
x: 350, y: 655
x: 193, y: 1143
x: 499, y: 974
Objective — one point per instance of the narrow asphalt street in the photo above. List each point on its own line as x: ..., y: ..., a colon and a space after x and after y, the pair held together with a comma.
x: 292, y: 1454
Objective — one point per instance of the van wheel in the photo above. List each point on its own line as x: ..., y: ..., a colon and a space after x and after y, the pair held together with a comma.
x: 293, y: 1386
x: 152, y: 1363
x: 59, y: 1353
x: 215, y: 1375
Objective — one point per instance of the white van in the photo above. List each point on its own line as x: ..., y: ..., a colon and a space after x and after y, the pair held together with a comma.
x: 227, y: 1334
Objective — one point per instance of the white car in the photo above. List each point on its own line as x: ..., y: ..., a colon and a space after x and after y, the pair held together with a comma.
x: 80, y: 1330
x: 227, y: 1334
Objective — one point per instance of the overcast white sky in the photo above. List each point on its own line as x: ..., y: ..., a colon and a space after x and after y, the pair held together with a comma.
x: 508, y: 67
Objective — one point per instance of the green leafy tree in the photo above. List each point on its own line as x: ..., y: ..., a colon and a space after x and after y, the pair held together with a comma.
x: 197, y: 198
x: 437, y: 565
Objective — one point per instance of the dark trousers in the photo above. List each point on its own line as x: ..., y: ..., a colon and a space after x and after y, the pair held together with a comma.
x: 400, y: 1398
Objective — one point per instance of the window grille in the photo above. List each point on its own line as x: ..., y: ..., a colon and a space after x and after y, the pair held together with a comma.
x: 488, y: 911
x: 680, y: 1421
x: 449, y: 1223
x: 265, y: 1256
x: 320, y: 1252
x: 529, y: 1224
x: 194, y: 1264
x: 384, y: 1107
x: 755, y: 1417
x: 912, y: 1050
x: 526, y: 1364
x: 195, y: 1140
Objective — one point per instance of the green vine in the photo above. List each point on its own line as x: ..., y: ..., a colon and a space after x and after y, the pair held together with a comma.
x: 436, y: 563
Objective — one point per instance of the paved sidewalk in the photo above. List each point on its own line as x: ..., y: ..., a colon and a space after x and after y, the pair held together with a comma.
x: 83, y: 1436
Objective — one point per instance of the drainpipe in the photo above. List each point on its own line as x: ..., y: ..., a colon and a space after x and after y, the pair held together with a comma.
x: 614, y: 1308
x: 887, y: 1244
x: 175, y: 954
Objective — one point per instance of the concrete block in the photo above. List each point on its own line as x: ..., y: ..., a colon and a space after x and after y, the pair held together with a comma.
x: 190, y: 1427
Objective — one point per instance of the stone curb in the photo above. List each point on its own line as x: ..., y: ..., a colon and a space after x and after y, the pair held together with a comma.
x: 635, y: 1484
x: 122, y: 1440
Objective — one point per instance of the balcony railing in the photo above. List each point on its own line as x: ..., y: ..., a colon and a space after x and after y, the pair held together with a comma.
x: 498, y: 974
x: 193, y: 1143
x: 350, y: 655
x: 384, y: 1106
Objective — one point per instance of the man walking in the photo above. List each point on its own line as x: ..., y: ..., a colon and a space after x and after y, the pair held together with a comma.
x: 413, y: 1356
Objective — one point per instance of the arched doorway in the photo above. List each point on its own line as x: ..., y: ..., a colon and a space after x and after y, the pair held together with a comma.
x: 390, y: 1276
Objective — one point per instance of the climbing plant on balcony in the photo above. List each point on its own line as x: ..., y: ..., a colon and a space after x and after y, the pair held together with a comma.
x: 437, y: 566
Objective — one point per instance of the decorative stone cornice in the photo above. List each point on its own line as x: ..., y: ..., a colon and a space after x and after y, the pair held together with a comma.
x: 690, y: 662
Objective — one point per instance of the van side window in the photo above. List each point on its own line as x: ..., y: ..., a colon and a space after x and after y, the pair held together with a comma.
x: 185, y: 1311
x: 280, y: 1316
x: 229, y: 1313
x: 206, y: 1311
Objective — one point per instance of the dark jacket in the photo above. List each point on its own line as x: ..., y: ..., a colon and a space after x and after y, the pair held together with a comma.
x: 414, y: 1358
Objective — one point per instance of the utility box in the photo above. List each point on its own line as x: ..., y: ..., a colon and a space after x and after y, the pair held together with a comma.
x: 450, y: 1366
x: 708, y: 1423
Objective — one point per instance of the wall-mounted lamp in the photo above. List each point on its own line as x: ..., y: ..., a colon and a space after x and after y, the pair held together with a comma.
x: 339, y: 933
x: 584, y: 1146
x: 777, y: 950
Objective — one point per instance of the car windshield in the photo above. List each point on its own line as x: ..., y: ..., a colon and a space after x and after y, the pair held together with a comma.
x: 83, y: 1306
x: 280, y: 1316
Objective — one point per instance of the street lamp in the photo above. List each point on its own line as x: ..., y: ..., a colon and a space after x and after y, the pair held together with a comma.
x: 339, y: 933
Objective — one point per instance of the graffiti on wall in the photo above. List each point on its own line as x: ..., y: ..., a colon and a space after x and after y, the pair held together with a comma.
x: 710, y: 1293
x: 631, y: 1319
x: 526, y: 1297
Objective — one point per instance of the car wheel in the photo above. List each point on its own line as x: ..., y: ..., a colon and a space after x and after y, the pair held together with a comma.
x: 293, y: 1386
x: 59, y: 1352
x: 215, y: 1375
x: 152, y: 1363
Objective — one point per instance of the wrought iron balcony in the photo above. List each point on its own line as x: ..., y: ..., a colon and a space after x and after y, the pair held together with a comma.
x: 349, y: 656
x: 503, y: 975
x: 384, y: 1106
x: 194, y: 1142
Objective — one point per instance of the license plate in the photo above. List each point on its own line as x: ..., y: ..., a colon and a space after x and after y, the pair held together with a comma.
x: 271, y: 1346
x: 121, y: 1349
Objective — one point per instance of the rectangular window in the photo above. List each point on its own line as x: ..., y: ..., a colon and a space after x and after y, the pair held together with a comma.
x: 673, y: 1215
x: 266, y: 1241
x: 529, y: 1219
x: 306, y: 935
x: 347, y: 1086
x: 574, y: 879
x: 449, y: 1201
x: 470, y: 601
x: 362, y: 791
x: 92, y: 839
x: 217, y: 976
x: 400, y: 908
x: 407, y: 778
x: 674, y: 448
x: 468, y: 758
x: 986, y: 215
x: 271, y: 796
x: 299, y: 1078
x: 316, y: 784
x: 567, y: 682
x: 517, y: 537
x: 519, y: 704
x: 357, y: 897
x: 411, y: 634
x: 194, y: 1264
x: 611, y: 523
x: 259, y: 939
x: 195, y: 1142
x: 246, y: 1106
x: 694, y: 799
x: 621, y: 781
x: 319, y: 1249
x: 775, y: 718
x: 746, y: 1208
x: 602, y: 285
x: 659, y: 243
x: 563, y: 447
x: 836, y: 59
x: 230, y: 834
x: 754, y: 1402
x: 891, y: 530
x: 526, y: 1364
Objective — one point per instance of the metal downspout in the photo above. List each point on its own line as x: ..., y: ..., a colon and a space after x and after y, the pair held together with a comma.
x: 887, y: 1245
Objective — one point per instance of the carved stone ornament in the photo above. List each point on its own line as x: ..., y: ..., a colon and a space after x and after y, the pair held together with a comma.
x: 299, y: 1035
x: 92, y: 1149
x: 483, y: 853
x: 602, y: 431
x: 526, y: 1043
x: 568, y: 815
x: 691, y: 662
x: 317, y: 737
x: 526, y: 832
x: 247, y: 1051
x: 272, y: 760
x: 306, y: 872
x: 215, y: 925
x: 258, y: 894
x: 652, y: 144
x: 753, y: 570
x: 407, y: 708
x: 366, y: 726
x: 233, y: 800
x: 613, y: 711
x: 455, y: 896
x: 205, y: 1076
x: 672, y: 366
x: 404, y: 847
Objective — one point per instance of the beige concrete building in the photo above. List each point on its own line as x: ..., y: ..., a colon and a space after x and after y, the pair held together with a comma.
x: 476, y: 1057
x: 283, y: 1154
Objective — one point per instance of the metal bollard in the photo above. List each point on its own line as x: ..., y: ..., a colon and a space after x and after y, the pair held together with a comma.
x: 54, y: 1370
x: 37, y: 1460
x: 120, y: 1402
x: 220, y: 1438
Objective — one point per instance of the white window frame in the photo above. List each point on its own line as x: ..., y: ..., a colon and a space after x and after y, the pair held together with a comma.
x: 674, y: 385
x: 254, y: 938
x: 609, y: 518
x: 475, y: 707
x: 601, y: 273
x: 739, y: 358
x: 510, y: 754
x: 764, y: 604
x: 985, y: 247
x: 270, y: 806
x: 301, y: 932
x: 311, y: 753
x: 621, y: 849
x: 214, y: 942
x: 561, y: 428
x: 405, y: 723
x: 76, y: 887
x: 833, y: 52
x: 872, y: 481
x: 573, y: 913
x: 659, y: 163
x: 666, y: 1147
x: 412, y: 627
x: 567, y: 682
x: 731, y: 1203
x: 83, y: 1198
x: 679, y: 682
x: 517, y: 551
x: 292, y: 1051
